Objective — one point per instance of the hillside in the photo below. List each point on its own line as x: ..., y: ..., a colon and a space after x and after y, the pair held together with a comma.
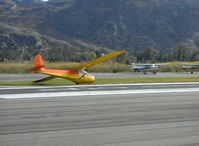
x: 133, y: 24
x: 113, y: 24
x: 21, y: 44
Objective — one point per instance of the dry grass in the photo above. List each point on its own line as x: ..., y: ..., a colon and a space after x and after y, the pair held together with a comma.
x: 102, y: 67
x: 110, y: 67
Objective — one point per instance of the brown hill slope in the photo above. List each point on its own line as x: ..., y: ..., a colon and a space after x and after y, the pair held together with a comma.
x: 81, y: 25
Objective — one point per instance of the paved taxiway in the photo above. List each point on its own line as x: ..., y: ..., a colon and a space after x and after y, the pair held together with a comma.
x: 12, y: 77
x: 145, y: 114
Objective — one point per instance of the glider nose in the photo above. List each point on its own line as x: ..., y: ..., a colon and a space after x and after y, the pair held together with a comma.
x: 87, y: 79
x: 92, y: 79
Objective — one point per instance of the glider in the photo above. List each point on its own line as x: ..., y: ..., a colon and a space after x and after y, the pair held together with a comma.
x: 77, y: 75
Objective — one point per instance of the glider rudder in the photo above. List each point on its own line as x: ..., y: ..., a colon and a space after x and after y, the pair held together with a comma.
x: 38, y: 63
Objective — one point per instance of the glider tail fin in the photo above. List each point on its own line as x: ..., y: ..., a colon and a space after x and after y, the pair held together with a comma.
x: 38, y: 63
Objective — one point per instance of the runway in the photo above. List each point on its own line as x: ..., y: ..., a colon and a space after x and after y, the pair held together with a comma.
x: 167, y: 115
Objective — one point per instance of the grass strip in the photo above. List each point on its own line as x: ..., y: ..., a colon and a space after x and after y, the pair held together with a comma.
x: 61, y: 82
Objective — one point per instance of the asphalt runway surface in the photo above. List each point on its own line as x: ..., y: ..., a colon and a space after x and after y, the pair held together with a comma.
x: 12, y: 77
x: 107, y: 115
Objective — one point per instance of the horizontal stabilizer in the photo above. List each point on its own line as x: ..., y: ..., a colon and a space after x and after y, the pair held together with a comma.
x: 37, y: 68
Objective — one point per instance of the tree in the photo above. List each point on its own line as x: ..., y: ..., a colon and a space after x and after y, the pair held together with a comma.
x: 184, y: 52
x: 150, y: 55
x: 87, y: 56
x: 195, y: 56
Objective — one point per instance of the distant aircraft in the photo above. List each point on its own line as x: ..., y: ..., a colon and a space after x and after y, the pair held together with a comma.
x: 77, y: 75
x: 190, y: 67
x: 145, y: 68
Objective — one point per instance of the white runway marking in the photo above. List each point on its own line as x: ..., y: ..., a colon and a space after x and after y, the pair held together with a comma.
x: 52, y: 89
x: 104, y: 85
x: 94, y: 93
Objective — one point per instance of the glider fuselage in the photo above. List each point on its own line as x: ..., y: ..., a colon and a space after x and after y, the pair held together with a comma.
x: 78, y: 77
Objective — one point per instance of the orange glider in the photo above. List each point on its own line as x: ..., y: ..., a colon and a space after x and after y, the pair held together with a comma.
x: 77, y: 75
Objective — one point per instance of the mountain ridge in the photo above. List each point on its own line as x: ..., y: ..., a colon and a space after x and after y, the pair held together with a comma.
x: 122, y: 24
x: 115, y: 24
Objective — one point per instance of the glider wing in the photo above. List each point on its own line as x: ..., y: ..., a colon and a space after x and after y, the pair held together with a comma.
x: 98, y: 60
